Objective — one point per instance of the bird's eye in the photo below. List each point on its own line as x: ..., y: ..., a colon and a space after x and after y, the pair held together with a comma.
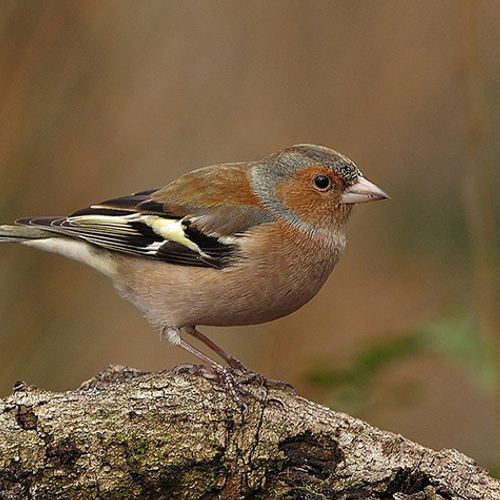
x: 321, y: 181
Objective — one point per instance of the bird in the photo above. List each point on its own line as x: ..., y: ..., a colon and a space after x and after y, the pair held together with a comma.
x: 223, y: 245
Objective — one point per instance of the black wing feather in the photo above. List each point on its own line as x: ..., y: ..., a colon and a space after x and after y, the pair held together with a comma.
x: 135, y: 237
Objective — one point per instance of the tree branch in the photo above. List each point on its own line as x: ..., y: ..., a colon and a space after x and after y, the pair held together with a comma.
x: 128, y: 434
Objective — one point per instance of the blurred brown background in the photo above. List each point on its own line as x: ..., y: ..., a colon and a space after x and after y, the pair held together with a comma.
x: 98, y: 99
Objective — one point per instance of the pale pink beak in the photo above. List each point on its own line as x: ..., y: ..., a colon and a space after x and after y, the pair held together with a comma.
x: 362, y: 191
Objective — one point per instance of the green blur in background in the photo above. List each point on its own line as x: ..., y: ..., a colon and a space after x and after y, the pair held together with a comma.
x: 99, y: 99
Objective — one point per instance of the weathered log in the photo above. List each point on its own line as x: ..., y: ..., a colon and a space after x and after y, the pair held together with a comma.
x: 128, y: 434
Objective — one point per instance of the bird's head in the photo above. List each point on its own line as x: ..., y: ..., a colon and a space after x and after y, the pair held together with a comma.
x: 312, y: 187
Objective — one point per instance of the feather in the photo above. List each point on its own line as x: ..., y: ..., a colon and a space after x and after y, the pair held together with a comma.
x: 190, y: 229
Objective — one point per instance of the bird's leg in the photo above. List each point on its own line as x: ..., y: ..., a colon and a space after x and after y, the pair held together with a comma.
x: 233, y: 362
x: 233, y: 385
x: 236, y: 364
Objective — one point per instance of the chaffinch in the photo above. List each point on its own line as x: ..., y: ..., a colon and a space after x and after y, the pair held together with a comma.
x: 230, y: 244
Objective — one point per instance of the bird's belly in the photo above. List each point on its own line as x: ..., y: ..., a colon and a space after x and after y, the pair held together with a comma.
x: 265, y: 301
x: 180, y: 296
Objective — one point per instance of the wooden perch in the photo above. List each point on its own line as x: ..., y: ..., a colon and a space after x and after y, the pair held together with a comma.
x: 127, y: 434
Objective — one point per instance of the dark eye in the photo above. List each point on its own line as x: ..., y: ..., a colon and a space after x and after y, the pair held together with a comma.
x: 321, y: 181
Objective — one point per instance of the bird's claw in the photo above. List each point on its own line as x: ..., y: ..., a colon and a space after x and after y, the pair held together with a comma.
x: 268, y: 383
x: 237, y: 383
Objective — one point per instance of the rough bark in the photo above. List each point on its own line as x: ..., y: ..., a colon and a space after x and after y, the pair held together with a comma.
x: 127, y: 434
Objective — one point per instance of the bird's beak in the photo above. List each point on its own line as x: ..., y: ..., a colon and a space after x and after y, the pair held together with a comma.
x: 362, y: 191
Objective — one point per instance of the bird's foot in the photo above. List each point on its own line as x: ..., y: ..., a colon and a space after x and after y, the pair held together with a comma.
x: 237, y: 377
x: 269, y: 383
x: 238, y: 382
x: 249, y: 376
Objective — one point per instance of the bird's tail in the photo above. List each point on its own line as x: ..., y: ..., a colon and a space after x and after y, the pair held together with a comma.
x: 20, y: 234
x: 54, y: 242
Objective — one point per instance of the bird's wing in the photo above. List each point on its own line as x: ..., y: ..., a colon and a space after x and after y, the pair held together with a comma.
x: 197, y: 220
